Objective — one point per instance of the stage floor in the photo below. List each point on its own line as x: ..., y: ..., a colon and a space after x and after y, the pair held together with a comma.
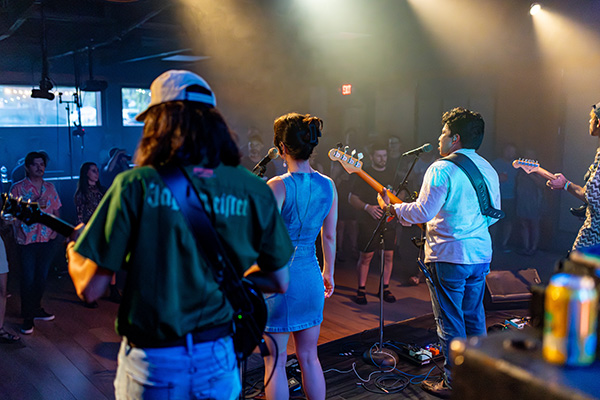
x: 74, y: 356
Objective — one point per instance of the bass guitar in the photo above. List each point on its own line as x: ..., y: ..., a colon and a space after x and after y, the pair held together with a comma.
x: 250, y: 309
x: 353, y: 165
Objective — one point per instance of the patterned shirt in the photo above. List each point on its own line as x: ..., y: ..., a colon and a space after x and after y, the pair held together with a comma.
x: 86, y: 203
x: 49, y: 203
x: 589, y: 234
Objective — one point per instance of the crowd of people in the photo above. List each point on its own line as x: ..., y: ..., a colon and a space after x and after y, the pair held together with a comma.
x: 176, y: 315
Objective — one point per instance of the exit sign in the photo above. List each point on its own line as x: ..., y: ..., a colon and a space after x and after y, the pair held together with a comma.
x: 346, y: 89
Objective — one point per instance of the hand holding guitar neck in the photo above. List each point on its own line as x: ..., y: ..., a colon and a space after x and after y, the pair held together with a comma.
x: 353, y: 165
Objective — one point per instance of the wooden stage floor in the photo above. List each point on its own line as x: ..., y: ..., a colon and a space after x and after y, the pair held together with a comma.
x: 74, y: 356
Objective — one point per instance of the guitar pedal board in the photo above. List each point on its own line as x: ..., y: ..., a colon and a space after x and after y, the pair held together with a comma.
x: 419, y: 355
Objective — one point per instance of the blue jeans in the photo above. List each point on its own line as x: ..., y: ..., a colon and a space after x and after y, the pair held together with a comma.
x: 457, y: 301
x: 197, y: 371
x: 35, y: 264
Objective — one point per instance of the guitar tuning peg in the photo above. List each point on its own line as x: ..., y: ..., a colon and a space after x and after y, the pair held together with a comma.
x: 339, y: 145
x: 360, y: 156
x: 353, y: 152
x: 346, y: 148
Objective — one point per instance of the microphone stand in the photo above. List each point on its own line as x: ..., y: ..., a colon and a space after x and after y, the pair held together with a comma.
x: 375, y: 354
x: 259, y: 170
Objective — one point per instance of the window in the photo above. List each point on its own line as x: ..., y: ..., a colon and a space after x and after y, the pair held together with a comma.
x: 18, y: 108
x: 135, y: 100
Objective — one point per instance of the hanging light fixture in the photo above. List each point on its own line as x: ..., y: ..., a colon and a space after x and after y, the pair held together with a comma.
x: 45, y: 84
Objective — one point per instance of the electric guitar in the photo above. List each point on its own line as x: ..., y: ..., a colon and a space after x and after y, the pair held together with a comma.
x: 531, y: 166
x: 354, y: 165
x: 250, y: 317
x: 30, y: 213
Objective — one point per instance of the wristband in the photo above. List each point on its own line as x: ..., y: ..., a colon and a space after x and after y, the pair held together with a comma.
x: 365, y: 207
x: 567, y: 184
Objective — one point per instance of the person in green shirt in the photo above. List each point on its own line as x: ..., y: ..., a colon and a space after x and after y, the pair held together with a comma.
x: 174, y: 318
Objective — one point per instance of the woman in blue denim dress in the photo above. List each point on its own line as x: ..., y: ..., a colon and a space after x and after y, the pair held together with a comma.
x: 308, y: 203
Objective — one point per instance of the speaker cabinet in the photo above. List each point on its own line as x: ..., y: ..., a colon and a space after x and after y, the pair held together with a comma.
x: 510, y: 289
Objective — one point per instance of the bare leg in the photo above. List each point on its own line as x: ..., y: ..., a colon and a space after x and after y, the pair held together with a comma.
x: 277, y: 389
x: 387, y: 267
x: 364, y: 261
x: 313, y: 380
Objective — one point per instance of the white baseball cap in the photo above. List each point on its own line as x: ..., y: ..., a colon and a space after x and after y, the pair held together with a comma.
x: 176, y: 85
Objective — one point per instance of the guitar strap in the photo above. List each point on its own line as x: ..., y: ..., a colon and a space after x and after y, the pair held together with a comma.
x: 481, y: 189
x: 210, y: 245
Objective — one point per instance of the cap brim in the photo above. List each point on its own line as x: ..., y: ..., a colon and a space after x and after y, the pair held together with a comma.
x: 141, y: 116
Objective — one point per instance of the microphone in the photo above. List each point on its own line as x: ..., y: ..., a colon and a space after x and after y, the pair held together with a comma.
x: 426, y: 148
x: 272, y: 154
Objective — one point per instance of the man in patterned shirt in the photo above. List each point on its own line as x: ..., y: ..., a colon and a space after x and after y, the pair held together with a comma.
x: 35, y: 241
x: 589, y: 234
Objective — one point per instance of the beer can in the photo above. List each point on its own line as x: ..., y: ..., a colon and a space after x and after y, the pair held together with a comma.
x: 570, y: 316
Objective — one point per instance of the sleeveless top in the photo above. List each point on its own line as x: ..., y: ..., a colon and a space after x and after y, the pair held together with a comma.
x: 308, y: 199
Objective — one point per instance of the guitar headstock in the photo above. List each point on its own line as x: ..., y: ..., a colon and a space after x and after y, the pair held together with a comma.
x: 26, y: 211
x: 350, y: 163
x: 528, y: 166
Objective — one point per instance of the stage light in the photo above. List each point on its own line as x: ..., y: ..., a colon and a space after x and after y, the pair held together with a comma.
x: 44, y: 91
x: 535, y: 9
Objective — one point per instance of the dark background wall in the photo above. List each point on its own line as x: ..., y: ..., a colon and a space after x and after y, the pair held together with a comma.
x: 408, y: 61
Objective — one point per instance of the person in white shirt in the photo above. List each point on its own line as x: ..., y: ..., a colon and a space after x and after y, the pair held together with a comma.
x: 458, y: 248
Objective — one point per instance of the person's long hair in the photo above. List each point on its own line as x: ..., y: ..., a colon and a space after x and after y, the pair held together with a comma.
x: 83, y: 186
x: 186, y: 133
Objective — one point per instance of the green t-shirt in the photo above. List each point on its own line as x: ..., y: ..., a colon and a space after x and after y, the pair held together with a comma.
x: 169, y: 290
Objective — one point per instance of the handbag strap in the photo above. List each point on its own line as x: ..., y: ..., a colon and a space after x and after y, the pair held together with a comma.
x: 483, y: 195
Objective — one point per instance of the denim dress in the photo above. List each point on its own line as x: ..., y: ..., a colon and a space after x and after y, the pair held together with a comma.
x: 308, y: 199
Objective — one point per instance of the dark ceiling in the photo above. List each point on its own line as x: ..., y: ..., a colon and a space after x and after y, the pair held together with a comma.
x: 129, y: 37
x: 116, y: 31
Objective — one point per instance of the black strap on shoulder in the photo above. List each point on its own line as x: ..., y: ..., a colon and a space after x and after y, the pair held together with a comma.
x: 481, y: 189
x: 198, y: 221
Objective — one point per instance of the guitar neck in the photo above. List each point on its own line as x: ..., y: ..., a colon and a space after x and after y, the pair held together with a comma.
x: 544, y: 173
x: 55, y: 223
x: 377, y: 186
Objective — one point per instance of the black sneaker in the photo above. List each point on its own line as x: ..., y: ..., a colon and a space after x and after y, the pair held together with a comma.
x: 27, y: 327
x: 437, y: 387
x: 42, y: 315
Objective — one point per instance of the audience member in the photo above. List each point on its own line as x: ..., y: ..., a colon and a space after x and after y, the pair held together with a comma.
x: 529, y: 191
x: 255, y: 152
x: 118, y: 161
x: 5, y: 336
x: 364, y: 200
x: 508, y: 176
x: 35, y: 241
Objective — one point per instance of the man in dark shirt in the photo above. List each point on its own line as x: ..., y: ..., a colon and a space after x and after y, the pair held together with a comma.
x: 364, y: 199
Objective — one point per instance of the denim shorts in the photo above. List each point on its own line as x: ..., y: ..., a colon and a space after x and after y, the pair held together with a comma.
x: 205, y: 370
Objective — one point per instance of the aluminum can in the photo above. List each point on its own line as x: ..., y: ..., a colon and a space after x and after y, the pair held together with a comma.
x: 570, y: 317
